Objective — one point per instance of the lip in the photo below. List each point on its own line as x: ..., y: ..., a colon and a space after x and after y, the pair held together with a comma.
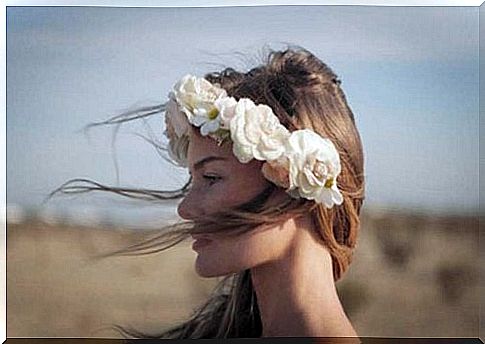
x: 200, y: 243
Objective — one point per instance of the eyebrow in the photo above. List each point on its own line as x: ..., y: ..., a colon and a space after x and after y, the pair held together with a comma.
x: 205, y: 160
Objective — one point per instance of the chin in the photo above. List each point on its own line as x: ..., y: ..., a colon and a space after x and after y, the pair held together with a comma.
x: 207, y: 268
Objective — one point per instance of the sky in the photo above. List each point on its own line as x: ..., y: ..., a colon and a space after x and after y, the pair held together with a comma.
x: 410, y: 75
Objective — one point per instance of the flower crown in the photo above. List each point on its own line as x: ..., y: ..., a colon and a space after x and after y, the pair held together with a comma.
x: 302, y: 162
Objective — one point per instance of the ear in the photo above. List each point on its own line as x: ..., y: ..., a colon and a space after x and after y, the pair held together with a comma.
x: 276, y: 174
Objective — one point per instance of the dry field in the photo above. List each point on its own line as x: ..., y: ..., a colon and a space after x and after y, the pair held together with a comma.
x: 412, y: 275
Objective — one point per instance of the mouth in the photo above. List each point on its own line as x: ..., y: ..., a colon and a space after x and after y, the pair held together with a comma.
x: 200, y: 242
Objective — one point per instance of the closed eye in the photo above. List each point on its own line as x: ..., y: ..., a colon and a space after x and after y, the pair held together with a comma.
x: 211, y: 179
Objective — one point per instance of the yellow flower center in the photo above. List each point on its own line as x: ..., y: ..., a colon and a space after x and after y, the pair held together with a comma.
x: 213, y: 113
x: 329, y: 182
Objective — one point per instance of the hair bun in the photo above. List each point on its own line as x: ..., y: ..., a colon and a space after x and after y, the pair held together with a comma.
x: 291, y: 73
x: 299, y: 68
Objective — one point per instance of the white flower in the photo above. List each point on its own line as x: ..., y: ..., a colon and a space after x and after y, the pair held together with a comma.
x: 196, y: 98
x: 256, y: 132
x: 314, y: 165
x: 227, y: 110
x: 208, y: 120
x: 193, y: 92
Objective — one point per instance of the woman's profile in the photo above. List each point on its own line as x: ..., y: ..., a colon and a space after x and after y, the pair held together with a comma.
x: 276, y: 187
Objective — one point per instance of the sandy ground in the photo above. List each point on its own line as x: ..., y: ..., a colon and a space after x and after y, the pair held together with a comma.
x: 411, y: 276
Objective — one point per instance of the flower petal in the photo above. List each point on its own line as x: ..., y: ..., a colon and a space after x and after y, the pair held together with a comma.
x: 209, y: 127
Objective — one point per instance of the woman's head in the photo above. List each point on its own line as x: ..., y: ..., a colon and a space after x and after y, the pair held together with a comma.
x: 243, y: 207
x: 304, y: 94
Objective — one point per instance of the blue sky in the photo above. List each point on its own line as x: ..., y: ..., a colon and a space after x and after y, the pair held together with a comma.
x: 410, y: 75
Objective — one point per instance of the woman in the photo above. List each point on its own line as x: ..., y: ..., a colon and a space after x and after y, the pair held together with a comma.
x: 273, y: 202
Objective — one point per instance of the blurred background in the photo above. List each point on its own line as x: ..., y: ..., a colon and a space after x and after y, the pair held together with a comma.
x: 410, y: 75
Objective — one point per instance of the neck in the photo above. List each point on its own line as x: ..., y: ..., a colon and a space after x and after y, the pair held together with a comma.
x: 296, y: 293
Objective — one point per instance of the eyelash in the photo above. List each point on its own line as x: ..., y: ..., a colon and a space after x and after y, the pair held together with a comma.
x: 211, y: 179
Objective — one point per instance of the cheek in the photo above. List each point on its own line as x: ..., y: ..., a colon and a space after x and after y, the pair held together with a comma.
x: 224, y: 194
x: 237, y: 190
x: 203, y: 200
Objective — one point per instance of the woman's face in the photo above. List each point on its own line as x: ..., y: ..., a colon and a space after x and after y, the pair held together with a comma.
x: 220, y: 181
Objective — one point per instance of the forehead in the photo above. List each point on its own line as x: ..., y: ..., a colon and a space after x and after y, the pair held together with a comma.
x: 201, y: 147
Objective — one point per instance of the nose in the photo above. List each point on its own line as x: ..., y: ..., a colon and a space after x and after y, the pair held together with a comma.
x: 187, y: 209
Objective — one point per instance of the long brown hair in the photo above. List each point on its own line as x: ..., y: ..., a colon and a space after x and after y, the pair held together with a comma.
x: 303, y: 93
